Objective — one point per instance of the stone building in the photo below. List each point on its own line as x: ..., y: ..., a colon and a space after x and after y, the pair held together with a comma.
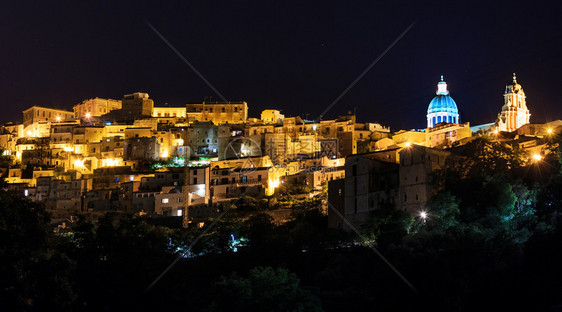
x: 218, y: 112
x: 416, y: 185
x: 514, y: 112
x: 36, y: 114
x: 371, y: 182
x: 95, y: 107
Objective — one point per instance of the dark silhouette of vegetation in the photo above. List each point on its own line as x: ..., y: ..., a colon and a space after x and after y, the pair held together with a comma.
x: 492, y: 240
x: 265, y: 289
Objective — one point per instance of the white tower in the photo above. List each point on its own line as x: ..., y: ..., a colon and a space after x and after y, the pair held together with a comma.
x: 514, y: 112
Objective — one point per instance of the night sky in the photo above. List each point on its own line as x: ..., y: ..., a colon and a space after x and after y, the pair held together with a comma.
x: 292, y: 56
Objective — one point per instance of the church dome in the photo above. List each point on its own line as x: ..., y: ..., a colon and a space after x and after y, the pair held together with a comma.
x: 442, y: 108
x: 443, y: 103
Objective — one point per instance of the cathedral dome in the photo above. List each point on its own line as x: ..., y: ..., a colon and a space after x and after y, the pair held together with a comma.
x: 442, y: 108
x: 443, y: 103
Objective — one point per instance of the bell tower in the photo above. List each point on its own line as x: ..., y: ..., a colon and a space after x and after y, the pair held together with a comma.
x: 514, y: 112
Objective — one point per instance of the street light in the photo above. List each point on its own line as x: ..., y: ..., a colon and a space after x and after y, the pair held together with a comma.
x: 549, y: 130
x: 408, y: 144
x: 423, y: 215
x: 537, y: 157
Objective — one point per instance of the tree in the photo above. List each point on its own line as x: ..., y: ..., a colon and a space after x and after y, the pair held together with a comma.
x: 265, y: 289
x: 442, y: 212
x: 259, y: 230
x: 34, y: 275
x: 387, y: 225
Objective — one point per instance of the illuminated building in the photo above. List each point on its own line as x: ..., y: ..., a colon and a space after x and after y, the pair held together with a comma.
x: 141, y: 148
x: 446, y: 134
x: 138, y: 104
x: 95, y: 107
x: 514, y: 112
x: 169, y: 201
x: 403, y: 137
x: 36, y: 114
x: 169, y: 112
x: 549, y: 129
x: 442, y: 108
x: 207, y: 140
x: 218, y: 112
x: 230, y: 183
x: 196, y: 188
x: 134, y: 106
x: 272, y: 116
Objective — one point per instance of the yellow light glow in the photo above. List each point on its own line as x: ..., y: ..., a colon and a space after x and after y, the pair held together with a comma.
x: 273, y: 184
x: 537, y: 157
x: 79, y: 163
x: 164, y: 154
x: 496, y: 131
x: 408, y: 144
x: 180, y: 142
x: 68, y: 148
x: 29, y: 133
x: 549, y: 131
x: 88, y: 115
x: 110, y: 162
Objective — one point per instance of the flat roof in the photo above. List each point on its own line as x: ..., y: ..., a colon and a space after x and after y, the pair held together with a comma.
x: 43, y: 107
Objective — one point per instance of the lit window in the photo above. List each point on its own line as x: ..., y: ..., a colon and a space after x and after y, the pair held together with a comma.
x: 180, y: 212
x: 164, y: 200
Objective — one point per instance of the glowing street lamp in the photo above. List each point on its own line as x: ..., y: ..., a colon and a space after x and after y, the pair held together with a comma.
x: 58, y: 118
x: 423, y: 215
x: 537, y: 157
x: 88, y: 115
x: 549, y: 130
x: 408, y: 144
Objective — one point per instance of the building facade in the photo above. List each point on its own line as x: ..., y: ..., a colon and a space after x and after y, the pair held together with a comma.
x: 36, y: 114
x: 514, y: 112
x: 95, y: 107
x: 218, y: 112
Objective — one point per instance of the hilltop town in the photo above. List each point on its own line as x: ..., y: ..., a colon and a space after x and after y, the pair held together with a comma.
x: 131, y: 156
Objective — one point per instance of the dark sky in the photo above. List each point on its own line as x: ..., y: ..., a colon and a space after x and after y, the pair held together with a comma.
x: 292, y: 56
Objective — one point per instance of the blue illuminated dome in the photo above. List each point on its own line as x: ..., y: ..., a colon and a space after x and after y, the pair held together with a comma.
x: 442, y: 108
